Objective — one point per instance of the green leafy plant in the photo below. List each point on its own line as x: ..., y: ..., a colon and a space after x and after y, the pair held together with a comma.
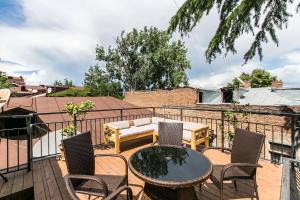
x: 75, y: 111
x: 260, y: 18
x: 236, y: 117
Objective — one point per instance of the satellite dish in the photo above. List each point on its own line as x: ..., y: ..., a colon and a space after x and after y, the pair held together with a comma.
x: 49, y: 90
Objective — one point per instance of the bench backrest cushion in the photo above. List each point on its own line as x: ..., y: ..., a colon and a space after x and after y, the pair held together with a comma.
x: 119, y: 124
x: 173, y: 121
x: 155, y: 120
x: 191, y: 126
x: 141, y: 122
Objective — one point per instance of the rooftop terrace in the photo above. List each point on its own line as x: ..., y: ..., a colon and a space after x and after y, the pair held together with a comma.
x: 46, y: 179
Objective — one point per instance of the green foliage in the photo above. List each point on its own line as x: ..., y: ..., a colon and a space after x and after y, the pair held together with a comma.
x: 98, y: 83
x: 69, y: 131
x: 66, y: 82
x: 258, y: 78
x: 261, y: 18
x: 3, y: 82
x: 236, y: 117
x: 236, y: 83
x: 261, y: 78
x: 57, y: 83
x: 75, y: 111
x: 146, y: 59
x: 71, y: 92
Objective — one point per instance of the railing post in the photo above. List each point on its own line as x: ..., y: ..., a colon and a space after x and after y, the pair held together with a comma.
x: 181, y: 114
x: 29, y: 143
x: 75, y: 124
x: 153, y: 111
x: 121, y: 113
x: 294, y: 137
x: 222, y: 128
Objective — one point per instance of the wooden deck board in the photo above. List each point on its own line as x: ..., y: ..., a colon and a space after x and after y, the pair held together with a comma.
x: 47, y: 180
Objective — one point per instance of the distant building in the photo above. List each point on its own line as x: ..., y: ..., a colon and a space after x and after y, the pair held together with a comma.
x: 266, y: 96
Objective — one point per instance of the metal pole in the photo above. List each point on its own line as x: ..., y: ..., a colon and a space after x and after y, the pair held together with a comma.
x: 294, y: 137
x: 29, y: 143
x: 121, y: 112
x: 181, y: 114
x: 222, y: 128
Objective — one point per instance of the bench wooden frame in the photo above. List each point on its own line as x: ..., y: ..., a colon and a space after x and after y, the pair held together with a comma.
x: 199, y: 136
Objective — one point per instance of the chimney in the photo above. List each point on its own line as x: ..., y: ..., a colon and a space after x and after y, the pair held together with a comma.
x: 246, y: 85
x: 277, y: 84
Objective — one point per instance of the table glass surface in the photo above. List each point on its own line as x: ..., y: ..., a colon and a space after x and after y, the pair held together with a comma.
x: 170, y: 163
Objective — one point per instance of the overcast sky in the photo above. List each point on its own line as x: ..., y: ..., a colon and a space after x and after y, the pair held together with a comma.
x: 54, y: 39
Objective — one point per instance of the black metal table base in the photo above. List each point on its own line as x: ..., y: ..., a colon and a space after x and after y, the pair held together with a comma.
x: 152, y: 192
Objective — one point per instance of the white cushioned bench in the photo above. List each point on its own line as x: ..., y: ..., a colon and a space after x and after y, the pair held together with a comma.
x: 117, y: 132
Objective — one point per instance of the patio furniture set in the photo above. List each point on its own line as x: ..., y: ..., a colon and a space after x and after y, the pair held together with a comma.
x: 169, y: 170
x: 193, y: 133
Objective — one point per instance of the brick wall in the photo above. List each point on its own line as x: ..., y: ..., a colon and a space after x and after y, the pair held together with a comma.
x: 157, y: 98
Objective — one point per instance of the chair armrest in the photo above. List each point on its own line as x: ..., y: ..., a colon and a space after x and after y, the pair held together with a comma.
x: 116, y: 193
x: 217, y: 148
x: 70, y: 188
x: 116, y: 156
x: 231, y: 165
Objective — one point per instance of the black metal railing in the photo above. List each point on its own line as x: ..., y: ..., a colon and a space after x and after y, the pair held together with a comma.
x: 41, y: 136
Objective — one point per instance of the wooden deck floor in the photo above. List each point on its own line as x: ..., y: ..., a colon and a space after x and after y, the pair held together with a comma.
x: 46, y: 178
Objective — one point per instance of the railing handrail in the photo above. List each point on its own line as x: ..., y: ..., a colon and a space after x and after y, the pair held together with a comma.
x: 232, y: 110
x: 296, y: 114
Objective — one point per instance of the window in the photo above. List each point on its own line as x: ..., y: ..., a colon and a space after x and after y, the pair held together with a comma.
x: 227, y: 95
x: 200, y: 97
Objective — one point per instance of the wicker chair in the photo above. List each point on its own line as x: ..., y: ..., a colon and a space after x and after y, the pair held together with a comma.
x: 245, y: 153
x: 80, y: 161
x: 170, y: 133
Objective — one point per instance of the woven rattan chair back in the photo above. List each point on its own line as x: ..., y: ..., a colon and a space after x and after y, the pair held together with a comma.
x: 79, y: 155
x: 246, y: 148
x: 170, y: 133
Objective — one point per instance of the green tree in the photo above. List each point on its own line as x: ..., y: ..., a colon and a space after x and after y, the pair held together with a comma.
x: 261, y: 78
x: 261, y: 18
x: 57, y: 83
x: 98, y: 82
x: 236, y: 83
x: 146, y: 59
x: 68, y: 82
x: 258, y: 78
x: 3, y: 81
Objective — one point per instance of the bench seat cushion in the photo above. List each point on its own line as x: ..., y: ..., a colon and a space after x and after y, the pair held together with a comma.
x: 191, y: 126
x: 134, y: 130
x: 187, y: 135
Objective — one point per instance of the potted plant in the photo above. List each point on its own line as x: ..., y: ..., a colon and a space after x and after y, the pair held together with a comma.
x: 75, y: 111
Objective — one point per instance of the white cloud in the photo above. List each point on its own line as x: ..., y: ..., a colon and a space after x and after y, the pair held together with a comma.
x: 220, y: 79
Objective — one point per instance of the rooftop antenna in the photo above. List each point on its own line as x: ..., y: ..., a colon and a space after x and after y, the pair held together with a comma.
x: 240, y: 80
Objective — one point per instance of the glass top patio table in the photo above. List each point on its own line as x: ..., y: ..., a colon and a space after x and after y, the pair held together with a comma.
x: 170, y: 166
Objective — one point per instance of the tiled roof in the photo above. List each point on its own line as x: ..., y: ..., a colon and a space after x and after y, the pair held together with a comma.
x: 56, y: 104
x: 259, y: 96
